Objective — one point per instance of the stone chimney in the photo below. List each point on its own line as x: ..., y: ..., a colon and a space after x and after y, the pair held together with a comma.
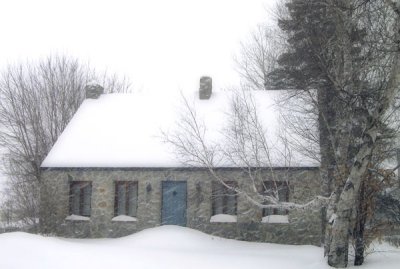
x: 205, y: 88
x: 93, y: 91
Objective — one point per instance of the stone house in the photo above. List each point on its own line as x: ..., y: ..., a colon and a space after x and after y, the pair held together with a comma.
x: 110, y: 174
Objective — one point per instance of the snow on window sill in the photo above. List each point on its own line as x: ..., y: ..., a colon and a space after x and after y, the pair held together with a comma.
x: 124, y: 218
x: 275, y: 219
x: 77, y: 217
x: 223, y: 218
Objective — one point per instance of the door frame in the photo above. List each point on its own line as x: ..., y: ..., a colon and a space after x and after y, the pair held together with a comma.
x: 162, y: 199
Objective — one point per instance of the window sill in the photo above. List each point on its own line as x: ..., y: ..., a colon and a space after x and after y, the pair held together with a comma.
x: 223, y: 218
x: 275, y: 219
x: 77, y: 218
x: 124, y: 218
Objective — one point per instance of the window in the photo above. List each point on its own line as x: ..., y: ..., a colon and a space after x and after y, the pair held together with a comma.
x: 224, y: 200
x: 126, y: 195
x: 269, y: 187
x: 80, y: 198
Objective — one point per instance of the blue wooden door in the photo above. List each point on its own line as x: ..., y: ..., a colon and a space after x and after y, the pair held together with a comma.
x: 173, y: 210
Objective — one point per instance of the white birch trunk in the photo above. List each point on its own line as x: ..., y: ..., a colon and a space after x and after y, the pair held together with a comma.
x: 341, y: 225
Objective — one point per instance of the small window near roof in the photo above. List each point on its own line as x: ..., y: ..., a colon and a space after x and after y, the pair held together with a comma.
x: 80, y: 198
x: 126, y: 197
x: 224, y: 199
x: 269, y: 187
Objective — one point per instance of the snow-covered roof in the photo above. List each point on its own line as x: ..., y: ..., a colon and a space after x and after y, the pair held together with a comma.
x: 125, y: 130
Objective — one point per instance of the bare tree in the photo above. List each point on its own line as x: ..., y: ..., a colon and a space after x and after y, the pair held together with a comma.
x: 258, y: 57
x: 244, y: 143
x: 37, y: 100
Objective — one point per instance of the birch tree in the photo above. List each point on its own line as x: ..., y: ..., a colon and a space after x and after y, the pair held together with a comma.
x: 347, y: 51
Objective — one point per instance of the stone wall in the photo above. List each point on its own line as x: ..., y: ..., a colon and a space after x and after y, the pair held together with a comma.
x: 303, y: 228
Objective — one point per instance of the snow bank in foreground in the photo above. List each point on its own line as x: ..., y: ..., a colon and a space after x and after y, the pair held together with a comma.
x: 166, y: 247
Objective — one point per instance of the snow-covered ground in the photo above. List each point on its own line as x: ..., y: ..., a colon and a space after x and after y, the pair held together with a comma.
x: 166, y: 247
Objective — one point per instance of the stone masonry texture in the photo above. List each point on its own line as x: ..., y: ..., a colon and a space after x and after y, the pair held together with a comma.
x: 304, y: 226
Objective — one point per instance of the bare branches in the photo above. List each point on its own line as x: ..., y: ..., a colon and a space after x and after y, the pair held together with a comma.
x: 258, y: 57
x: 189, y: 140
x: 244, y: 143
x: 37, y: 101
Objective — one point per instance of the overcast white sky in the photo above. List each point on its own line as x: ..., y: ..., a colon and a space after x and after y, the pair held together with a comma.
x: 156, y: 43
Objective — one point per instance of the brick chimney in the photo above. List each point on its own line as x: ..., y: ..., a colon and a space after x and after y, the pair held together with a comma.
x: 205, y: 88
x: 93, y: 91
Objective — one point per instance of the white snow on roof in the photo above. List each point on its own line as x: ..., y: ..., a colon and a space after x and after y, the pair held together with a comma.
x: 125, y: 130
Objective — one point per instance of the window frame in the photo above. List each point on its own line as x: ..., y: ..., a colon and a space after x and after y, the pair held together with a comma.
x: 126, y: 184
x: 224, y: 198
x: 81, y: 199
x: 278, y: 184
